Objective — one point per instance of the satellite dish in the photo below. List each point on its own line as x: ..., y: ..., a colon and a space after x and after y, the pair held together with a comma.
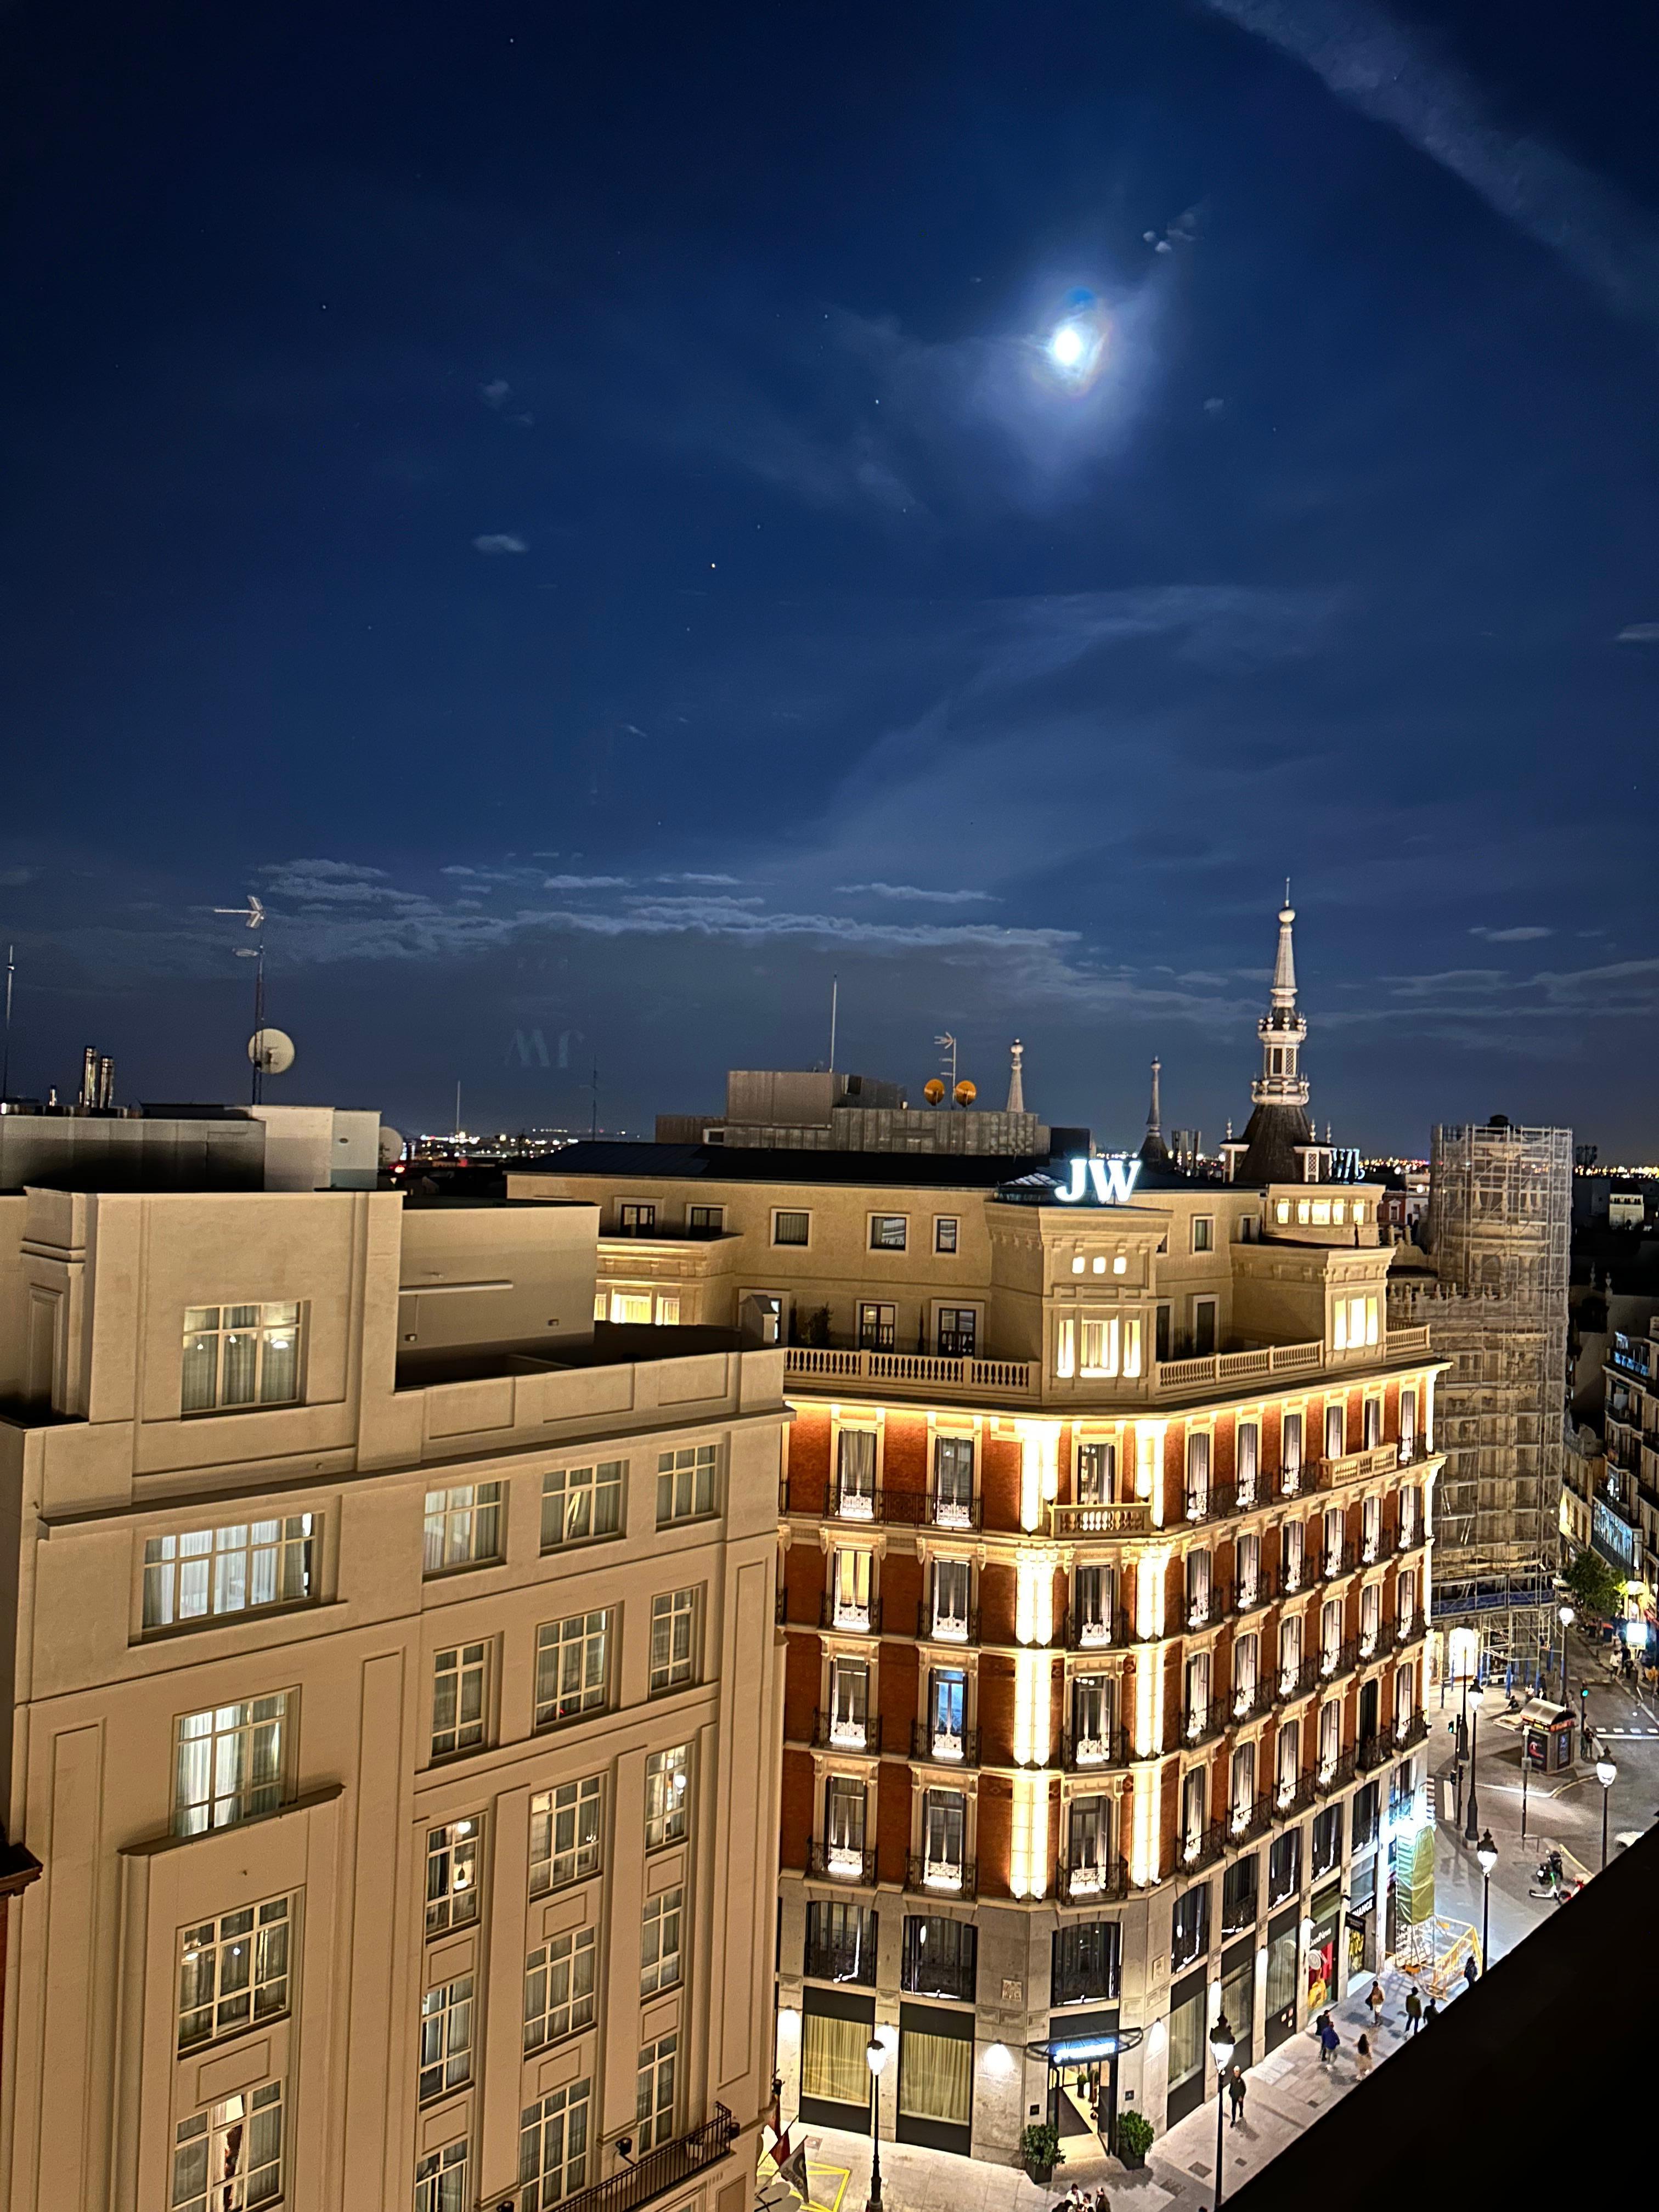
x: 391, y: 1145
x: 932, y: 1090
x: 271, y: 1051
x: 966, y: 1092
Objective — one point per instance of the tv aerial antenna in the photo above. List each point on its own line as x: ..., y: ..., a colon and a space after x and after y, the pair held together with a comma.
x: 270, y: 1051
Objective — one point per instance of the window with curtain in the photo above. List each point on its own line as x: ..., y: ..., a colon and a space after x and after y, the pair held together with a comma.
x: 1091, y: 1714
x: 1290, y: 1757
x: 1335, y: 1414
x: 1407, y: 1423
x: 1241, y: 1786
x: 832, y: 2062
x: 1094, y: 1596
x: 951, y: 1581
x: 1402, y: 1698
x: 945, y: 1827
x: 1330, y: 1737
x: 1097, y: 1474
x: 936, y: 2077
x: 1293, y: 1552
x: 1405, y: 1596
x: 1198, y: 1589
x: 1330, y: 1633
x: 850, y: 1702
x: 856, y: 1468
x: 1198, y: 1475
x: 1372, y: 1417
x: 1370, y: 1616
x: 852, y: 1583
x: 1246, y: 1451
x: 1246, y: 1659
x: 1247, y: 1568
x: 1370, y: 1528
x: 1198, y: 1693
x: 1194, y: 1808
x: 1289, y: 1652
x: 843, y: 1812
x: 953, y: 1480
x: 1290, y: 1449
x: 1335, y: 1529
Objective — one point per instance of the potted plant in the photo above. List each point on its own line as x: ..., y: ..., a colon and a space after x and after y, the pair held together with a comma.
x: 1134, y: 2138
x: 1040, y: 2151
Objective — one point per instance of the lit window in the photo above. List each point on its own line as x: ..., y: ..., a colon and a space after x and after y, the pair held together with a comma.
x: 232, y: 1972
x: 673, y: 1640
x: 446, y: 2038
x: 559, y: 1981
x: 580, y: 1502
x: 572, y: 1667
x: 214, y: 1571
x: 229, y: 2158
x: 451, y: 1875
x: 564, y: 1834
x: 240, y: 1356
x: 668, y: 1309
x: 462, y: 1527
x: 637, y: 1220
x: 1322, y: 1213
x: 553, y: 2146
x: 630, y: 1308
x: 1302, y: 1210
x: 789, y: 1228
x: 1358, y: 1212
x: 440, y: 2180
x: 1119, y: 1265
x: 653, y: 2106
x: 1079, y: 1264
x: 1100, y: 1264
x: 459, y: 1677
x: 887, y: 1231
x: 1203, y: 1232
x: 708, y: 1218
x: 1282, y: 1209
x: 686, y: 1482
x: 1065, y: 1348
x: 944, y: 1233
x: 1131, y: 1345
x: 1337, y: 1211
x: 229, y: 1764
x: 667, y: 1779
x: 659, y: 1941
x: 1100, y: 1347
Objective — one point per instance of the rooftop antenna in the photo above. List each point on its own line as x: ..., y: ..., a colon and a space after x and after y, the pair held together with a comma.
x: 254, y: 915
x: 835, y: 996
x: 5, y: 1063
x: 947, y: 1045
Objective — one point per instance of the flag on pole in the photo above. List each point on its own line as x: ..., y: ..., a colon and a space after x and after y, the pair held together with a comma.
x: 793, y: 2169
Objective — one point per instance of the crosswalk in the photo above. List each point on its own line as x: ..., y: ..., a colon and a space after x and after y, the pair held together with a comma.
x: 1624, y: 1735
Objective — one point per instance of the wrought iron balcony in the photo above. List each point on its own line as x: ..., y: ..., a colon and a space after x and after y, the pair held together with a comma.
x: 1204, y: 1848
x: 925, y: 1877
x: 1081, y: 1754
x: 667, y: 2168
x: 946, y: 1627
x: 1289, y: 1802
x: 1290, y: 1581
x: 1375, y: 1751
x: 1246, y: 1822
x: 1337, y: 1776
x: 1291, y: 1683
x: 840, y: 1962
x: 1341, y: 1661
x: 849, y: 1620
x: 1102, y: 1879
x: 1204, y: 1723
x: 839, y: 1732
x: 1249, y: 1704
x: 842, y: 1862
x: 938, y: 1747
x: 1087, y: 1632
x: 1414, y: 1732
x: 1337, y: 1560
x: 1250, y: 1596
x: 1209, y: 1501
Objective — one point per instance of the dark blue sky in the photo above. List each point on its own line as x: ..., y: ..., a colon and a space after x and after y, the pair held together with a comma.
x: 570, y: 503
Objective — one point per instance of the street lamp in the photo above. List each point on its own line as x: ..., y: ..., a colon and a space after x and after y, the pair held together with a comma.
x: 1606, y: 1774
x: 1221, y: 2050
x: 1486, y: 1851
x: 1566, y: 1616
x: 875, y: 2054
x: 1472, y: 1818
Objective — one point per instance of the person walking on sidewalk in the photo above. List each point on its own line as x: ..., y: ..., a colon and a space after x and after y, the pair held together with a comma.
x: 1362, y: 2058
x: 1329, y: 2041
x: 1413, y: 2012
x: 1375, y: 1999
x: 1236, y: 2096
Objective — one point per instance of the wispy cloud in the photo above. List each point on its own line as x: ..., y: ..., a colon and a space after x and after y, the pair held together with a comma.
x: 499, y: 540
x: 586, y: 882
x: 1522, y: 934
x: 494, y: 394
x: 913, y: 892
x: 1641, y: 633
x: 1393, y: 75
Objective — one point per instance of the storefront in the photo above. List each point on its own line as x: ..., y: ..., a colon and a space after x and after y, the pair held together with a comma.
x: 835, y: 2029
x: 1083, y: 2051
x: 1281, y: 1977
x: 936, y: 2078
x: 1326, y: 1912
x: 1190, y: 2049
x: 1238, y: 1998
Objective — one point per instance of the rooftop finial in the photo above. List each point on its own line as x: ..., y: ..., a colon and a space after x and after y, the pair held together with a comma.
x: 1016, y: 1079
x: 1284, y: 992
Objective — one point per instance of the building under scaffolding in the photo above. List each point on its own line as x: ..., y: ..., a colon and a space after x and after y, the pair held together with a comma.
x: 1493, y: 1287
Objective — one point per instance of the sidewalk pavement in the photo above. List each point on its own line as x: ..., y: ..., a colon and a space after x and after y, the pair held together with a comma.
x: 1285, y: 2093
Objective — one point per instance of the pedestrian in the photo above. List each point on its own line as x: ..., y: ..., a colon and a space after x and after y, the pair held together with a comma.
x: 1362, y: 2058
x: 1236, y: 2096
x: 1329, y: 2041
x: 1413, y: 2012
x: 1471, y: 1972
x: 1374, y: 1998
x: 1430, y: 2011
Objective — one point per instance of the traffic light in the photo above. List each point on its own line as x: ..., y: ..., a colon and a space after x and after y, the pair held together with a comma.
x: 1583, y: 1692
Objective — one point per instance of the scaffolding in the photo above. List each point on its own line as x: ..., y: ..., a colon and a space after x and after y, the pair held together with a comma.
x: 1496, y: 1305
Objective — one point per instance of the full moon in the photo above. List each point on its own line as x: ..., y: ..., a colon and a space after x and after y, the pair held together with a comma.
x: 1067, y: 346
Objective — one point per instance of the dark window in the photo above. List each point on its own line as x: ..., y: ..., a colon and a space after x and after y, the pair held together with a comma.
x: 1402, y: 1789
x: 637, y: 1218
x: 791, y: 1228
x: 1191, y: 1938
x: 1203, y: 1328
x: 1239, y: 1896
x: 1161, y: 1335
x: 958, y: 1332
x: 705, y: 1217
x: 1326, y: 1840
x: 1365, y: 1817
x: 1085, y: 1962
x: 944, y: 1233
x: 887, y: 1232
x: 1285, y: 1867
x: 939, y: 1957
x: 840, y: 1944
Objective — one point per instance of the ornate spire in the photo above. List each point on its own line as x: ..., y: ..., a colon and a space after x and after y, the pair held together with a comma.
x: 1152, y: 1146
x: 1283, y: 993
x: 1282, y: 1030
x: 1016, y: 1079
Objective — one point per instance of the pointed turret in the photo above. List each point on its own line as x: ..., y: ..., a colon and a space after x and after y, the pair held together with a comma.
x: 1278, y: 1135
x: 1016, y: 1079
x: 1153, y: 1149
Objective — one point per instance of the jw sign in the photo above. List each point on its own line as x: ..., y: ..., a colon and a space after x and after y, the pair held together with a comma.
x: 1100, y: 1183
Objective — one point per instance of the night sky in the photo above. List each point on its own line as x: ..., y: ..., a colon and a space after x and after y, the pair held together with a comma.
x: 573, y: 506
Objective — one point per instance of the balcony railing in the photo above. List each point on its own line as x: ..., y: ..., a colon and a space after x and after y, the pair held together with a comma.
x: 1083, y: 1753
x: 1005, y: 1378
x: 946, y: 1627
x: 1352, y: 1466
x: 1375, y: 1751
x: 840, y: 1962
x: 1089, y: 1633
x: 1291, y: 1481
x: 850, y: 1619
x: 1238, y: 1367
x: 1204, y: 1848
x: 1210, y: 1501
x: 1250, y: 1597
x: 1248, y: 1705
x: 903, y: 1509
x: 1203, y: 1723
x: 1207, y: 1609
x: 1094, y: 1878
x: 1340, y: 1660
x: 1337, y: 1560
x: 839, y: 1732
x: 1246, y: 1822
x: 1414, y: 1732
x: 665, y: 2168
x: 936, y: 1745
x: 842, y: 1862
x: 928, y: 1877
x: 1132, y: 1518
x: 1290, y: 1581
x: 1291, y: 1683
x: 1289, y: 1800
x: 1328, y: 1780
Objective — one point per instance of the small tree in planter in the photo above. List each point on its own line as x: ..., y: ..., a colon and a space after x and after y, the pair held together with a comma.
x: 1134, y: 2138
x: 1040, y: 2150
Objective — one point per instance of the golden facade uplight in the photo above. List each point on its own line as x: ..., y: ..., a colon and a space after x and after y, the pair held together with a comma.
x: 1028, y: 1857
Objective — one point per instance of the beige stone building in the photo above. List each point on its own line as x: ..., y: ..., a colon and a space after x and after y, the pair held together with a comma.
x: 393, y: 1704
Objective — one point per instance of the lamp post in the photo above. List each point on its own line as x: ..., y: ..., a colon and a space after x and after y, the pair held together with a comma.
x: 875, y: 2053
x: 1472, y: 1818
x: 1486, y: 1851
x: 1221, y: 2050
x: 1606, y: 1774
x: 1566, y: 1616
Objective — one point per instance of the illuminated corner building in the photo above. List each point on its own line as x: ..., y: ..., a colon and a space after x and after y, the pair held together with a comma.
x: 1493, y: 1291
x: 391, y: 1787
x: 1105, y: 1565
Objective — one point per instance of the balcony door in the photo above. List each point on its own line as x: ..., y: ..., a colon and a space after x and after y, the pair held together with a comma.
x: 1097, y: 1474
x: 878, y: 1327
x: 947, y: 1712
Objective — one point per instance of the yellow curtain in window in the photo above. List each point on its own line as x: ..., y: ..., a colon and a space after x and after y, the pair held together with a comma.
x: 832, y: 2060
x: 936, y: 2078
